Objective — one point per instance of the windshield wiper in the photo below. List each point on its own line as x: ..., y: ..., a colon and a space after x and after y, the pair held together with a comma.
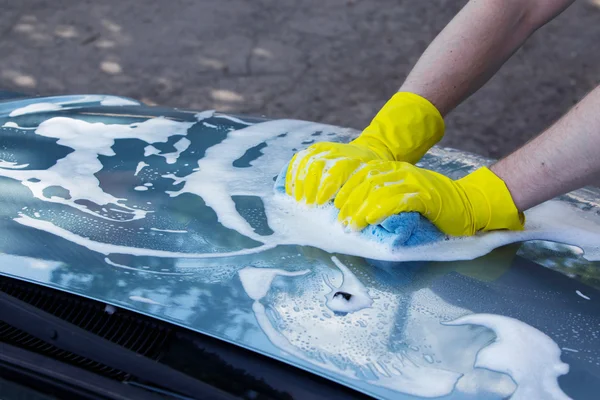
x: 43, y: 374
x: 69, y: 337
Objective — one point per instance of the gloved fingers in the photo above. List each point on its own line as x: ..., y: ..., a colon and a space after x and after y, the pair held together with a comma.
x: 377, y: 174
x: 312, y: 179
x: 355, y: 193
x: 300, y: 169
x: 368, y: 196
x: 298, y: 163
x: 404, y: 202
x: 353, y: 182
x: 290, y: 176
x: 352, y: 203
x: 305, y: 180
x: 379, y: 206
x: 334, y: 177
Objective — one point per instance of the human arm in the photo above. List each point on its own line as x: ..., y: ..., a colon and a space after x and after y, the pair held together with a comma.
x: 461, y: 59
x: 474, y: 45
x: 563, y: 158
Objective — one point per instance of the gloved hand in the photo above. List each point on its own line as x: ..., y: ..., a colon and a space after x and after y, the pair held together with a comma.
x: 478, y: 202
x: 404, y: 129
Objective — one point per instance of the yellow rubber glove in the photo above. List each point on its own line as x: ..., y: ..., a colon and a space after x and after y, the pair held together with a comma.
x: 404, y: 129
x: 478, y: 202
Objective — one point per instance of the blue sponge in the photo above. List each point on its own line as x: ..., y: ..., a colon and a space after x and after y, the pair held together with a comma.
x: 404, y: 229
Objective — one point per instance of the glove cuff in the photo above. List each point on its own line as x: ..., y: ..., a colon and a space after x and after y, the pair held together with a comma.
x: 405, y: 128
x: 491, y: 202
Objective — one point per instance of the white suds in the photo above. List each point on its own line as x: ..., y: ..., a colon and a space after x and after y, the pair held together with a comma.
x: 109, y: 248
x: 168, y: 230
x: 351, y: 295
x: 76, y: 171
x: 171, y: 158
x: 234, y: 119
x: 34, y: 108
x: 139, y: 167
x: 150, y: 150
x: 144, y: 300
x: 180, y: 147
x: 143, y: 269
x: 204, y: 115
x: 216, y: 180
x: 530, y: 357
x: 118, y: 101
x: 12, y: 165
x: 582, y: 295
x: 257, y: 281
x: 402, y: 374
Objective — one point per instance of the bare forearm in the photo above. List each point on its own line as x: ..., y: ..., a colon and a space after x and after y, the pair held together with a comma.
x: 565, y: 157
x: 474, y: 45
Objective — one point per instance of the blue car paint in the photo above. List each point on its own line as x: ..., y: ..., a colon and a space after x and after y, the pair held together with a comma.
x: 208, y: 296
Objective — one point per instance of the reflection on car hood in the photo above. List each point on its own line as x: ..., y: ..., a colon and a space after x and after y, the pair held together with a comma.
x: 109, y: 199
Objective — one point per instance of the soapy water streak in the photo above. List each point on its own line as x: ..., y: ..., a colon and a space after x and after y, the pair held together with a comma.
x: 401, y: 375
x: 76, y: 171
x: 216, y: 180
x: 536, y: 374
x: 520, y: 351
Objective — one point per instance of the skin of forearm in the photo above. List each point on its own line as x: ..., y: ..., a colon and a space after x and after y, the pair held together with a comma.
x: 474, y: 45
x: 563, y: 158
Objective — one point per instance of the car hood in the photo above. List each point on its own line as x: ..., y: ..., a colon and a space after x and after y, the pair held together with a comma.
x: 95, y: 200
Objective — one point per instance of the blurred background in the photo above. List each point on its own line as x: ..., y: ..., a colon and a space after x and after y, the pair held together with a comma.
x: 332, y: 61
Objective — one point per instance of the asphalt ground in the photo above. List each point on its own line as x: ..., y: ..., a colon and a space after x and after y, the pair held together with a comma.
x: 334, y: 61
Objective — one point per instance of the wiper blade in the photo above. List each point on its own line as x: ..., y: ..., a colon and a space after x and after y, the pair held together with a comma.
x: 36, y: 370
x: 69, y: 337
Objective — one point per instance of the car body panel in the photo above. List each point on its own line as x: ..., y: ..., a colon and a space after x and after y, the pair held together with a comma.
x: 277, y: 301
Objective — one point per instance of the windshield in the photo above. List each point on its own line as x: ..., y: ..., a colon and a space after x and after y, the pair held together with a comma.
x: 154, y: 210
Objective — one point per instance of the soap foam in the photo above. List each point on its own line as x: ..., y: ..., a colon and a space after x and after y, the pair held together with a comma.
x: 109, y: 248
x: 531, y: 358
x: 144, y: 300
x: 526, y: 355
x: 118, y: 101
x: 145, y: 271
x: 170, y: 158
x: 257, y: 281
x: 582, y: 295
x: 399, y: 372
x: 34, y: 108
x: 169, y: 230
x: 232, y: 118
x: 76, y: 171
x: 12, y: 165
x: 216, y: 180
x: 140, y: 167
x: 337, y: 299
